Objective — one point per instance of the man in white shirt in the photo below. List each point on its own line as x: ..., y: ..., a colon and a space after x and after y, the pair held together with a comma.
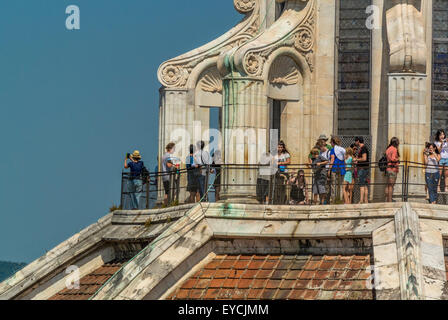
x: 202, y: 160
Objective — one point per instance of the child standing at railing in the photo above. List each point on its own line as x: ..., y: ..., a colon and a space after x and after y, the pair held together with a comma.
x: 348, y: 177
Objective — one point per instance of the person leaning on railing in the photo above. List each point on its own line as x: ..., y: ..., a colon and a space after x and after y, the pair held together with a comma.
x: 135, y: 182
x: 432, y: 174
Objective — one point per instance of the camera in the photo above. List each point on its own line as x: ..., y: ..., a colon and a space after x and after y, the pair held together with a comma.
x: 128, y: 155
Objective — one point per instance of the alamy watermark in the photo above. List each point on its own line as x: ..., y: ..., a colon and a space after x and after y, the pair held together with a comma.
x: 73, y: 21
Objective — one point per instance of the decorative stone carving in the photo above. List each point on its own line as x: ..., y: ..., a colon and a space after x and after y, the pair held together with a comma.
x: 284, y: 72
x: 406, y: 34
x: 295, y: 29
x: 175, y: 73
x: 244, y: 6
x: 211, y: 82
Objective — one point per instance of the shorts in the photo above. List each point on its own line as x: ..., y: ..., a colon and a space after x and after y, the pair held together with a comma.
x: 192, y: 184
x: 443, y: 162
x: 166, y: 187
x: 362, y: 177
x: 391, y: 175
x: 319, y: 187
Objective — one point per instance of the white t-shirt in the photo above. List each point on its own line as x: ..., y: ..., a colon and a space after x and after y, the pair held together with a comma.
x: 339, y: 152
x: 326, y: 155
x: 282, y: 158
x: 266, y: 171
x: 202, y: 157
x: 444, y: 152
x: 167, y: 157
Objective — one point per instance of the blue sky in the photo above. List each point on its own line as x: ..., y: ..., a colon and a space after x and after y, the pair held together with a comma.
x: 74, y: 102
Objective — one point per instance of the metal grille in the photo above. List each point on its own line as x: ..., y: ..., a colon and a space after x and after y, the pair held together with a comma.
x: 440, y: 66
x: 354, y: 44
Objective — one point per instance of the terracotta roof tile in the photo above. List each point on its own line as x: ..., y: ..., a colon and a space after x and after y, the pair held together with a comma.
x: 90, y: 283
x: 279, y: 277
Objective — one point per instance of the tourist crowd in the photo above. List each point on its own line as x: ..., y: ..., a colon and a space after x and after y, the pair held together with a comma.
x: 335, y: 172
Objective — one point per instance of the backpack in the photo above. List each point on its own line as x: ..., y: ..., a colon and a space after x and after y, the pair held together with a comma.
x: 382, y: 164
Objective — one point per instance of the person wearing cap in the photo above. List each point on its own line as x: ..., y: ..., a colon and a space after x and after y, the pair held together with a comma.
x: 322, y: 138
x: 135, y: 182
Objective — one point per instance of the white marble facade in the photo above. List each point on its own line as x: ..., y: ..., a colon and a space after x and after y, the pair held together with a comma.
x: 286, y: 51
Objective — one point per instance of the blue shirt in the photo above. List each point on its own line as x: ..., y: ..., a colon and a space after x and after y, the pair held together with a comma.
x: 338, y: 165
x: 136, y: 168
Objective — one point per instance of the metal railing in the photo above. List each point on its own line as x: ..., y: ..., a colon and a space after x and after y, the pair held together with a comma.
x: 256, y: 182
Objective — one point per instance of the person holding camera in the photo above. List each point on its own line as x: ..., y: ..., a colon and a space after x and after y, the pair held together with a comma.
x: 442, y: 148
x: 432, y: 174
x: 135, y: 182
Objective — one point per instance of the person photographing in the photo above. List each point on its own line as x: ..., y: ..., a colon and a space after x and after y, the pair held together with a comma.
x: 432, y: 174
x: 135, y: 182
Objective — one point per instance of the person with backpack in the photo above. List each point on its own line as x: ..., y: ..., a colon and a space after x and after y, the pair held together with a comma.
x: 393, y: 159
x: 135, y: 182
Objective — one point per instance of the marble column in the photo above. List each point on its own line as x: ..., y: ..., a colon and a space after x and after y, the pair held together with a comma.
x: 245, y: 137
x: 409, y: 107
x: 176, y: 124
x: 409, y: 122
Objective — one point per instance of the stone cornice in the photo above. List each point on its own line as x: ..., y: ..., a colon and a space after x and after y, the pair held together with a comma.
x: 175, y: 73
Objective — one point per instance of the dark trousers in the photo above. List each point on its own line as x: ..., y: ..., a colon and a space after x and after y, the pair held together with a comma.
x: 202, y: 185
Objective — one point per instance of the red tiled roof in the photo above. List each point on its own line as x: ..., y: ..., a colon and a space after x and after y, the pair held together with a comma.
x: 246, y: 277
x: 89, y: 284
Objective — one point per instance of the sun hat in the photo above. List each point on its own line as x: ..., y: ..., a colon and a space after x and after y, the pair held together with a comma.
x: 136, y: 155
x: 323, y: 137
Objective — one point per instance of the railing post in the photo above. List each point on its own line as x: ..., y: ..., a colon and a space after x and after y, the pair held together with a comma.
x: 148, y: 185
x: 122, y: 186
x: 178, y: 176
x: 171, y: 191
x: 206, y: 183
x: 407, y: 181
